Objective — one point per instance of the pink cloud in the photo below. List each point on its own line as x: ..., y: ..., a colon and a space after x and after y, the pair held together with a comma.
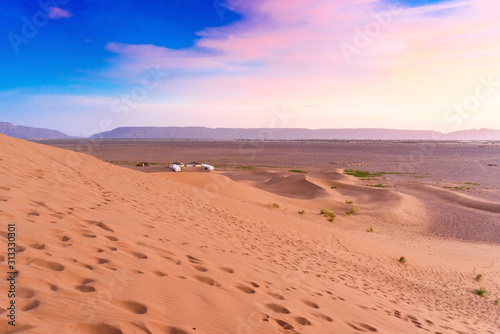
x: 58, y: 13
x: 419, y: 62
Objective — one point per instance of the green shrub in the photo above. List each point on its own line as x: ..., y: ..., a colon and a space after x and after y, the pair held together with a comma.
x: 302, y: 212
x: 275, y: 205
x: 479, y: 277
x: 348, y: 202
x: 481, y: 292
x: 352, y: 211
x: 296, y: 171
x: 360, y: 173
x: 327, y: 213
x: 402, y: 260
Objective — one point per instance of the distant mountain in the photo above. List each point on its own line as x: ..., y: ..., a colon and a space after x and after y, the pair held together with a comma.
x: 292, y: 133
x: 481, y: 134
x: 25, y: 132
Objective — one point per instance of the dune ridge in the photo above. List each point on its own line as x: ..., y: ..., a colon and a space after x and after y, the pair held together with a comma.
x: 104, y: 249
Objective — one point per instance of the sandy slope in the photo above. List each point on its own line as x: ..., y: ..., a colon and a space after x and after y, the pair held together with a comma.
x: 103, y: 249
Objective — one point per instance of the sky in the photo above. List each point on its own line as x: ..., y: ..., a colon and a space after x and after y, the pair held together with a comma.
x: 89, y: 66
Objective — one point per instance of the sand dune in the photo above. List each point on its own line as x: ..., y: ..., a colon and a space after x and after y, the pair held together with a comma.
x: 459, y: 199
x: 104, y: 249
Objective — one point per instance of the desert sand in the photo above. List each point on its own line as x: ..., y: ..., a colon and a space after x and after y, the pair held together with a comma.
x: 107, y: 249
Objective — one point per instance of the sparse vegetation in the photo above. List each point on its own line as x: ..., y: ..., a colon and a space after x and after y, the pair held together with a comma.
x: 360, y: 173
x: 371, y: 229
x: 378, y: 185
x: 246, y: 167
x: 402, y: 260
x: 497, y: 301
x: 275, y: 205
x: 458, y: 188
x: 333, y: 187
x: 130, y: 163
x: 364, y: 174
x: 352, y: 211
x: 327, y: 213
x: 472, y: 184
x: 479, y: 277
x: 481, y: 292
x: 348, y: 202
x: 296, y: 171
x: 302, y: 212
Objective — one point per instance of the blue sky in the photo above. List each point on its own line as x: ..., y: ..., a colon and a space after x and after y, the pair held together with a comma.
x: 71, y: 51
x: 234, y: 63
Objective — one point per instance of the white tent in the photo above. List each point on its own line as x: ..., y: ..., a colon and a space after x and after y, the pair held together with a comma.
x: 207, y: 167
x: 175, y: 168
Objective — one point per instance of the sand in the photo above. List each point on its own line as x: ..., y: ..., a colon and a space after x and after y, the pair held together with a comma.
x: 106, y: 249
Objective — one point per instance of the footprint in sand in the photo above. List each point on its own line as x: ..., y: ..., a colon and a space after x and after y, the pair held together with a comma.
x: 65, y: 238
x: 207, y: 280
x: 278, y: 308
x: 37, y: 246
x: 140, y: 255
x: 303, y: 321
x: 361, y: 327
x: 101, y: 225
x: 245, y: 289
x: 133, y: 306
x: 98, y: 329
x: 33, y: 305
x: 284, y: 324
x: 227, y: 270
x: 48, y: 265
x: 192, y: 259
x: 25, y: 293
x: 112, y: 238
x: 159, y: 273
x: 174, y: 330
x: 85, y: 288
x: 276, y: 295
x: 323, y: 317
x: 102, y: 261
x: 200, y: 268
x: 310, y: 304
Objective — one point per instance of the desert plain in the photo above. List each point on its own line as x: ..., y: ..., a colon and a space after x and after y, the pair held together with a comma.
x: 408, y: 241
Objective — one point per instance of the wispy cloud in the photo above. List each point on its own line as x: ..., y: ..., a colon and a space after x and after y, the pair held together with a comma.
x: 56, y: 13
x: 288, y: 53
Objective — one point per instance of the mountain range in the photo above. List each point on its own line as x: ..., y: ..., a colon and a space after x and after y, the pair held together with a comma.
x: 203, y: 133
x: 26, y: 132
x: 292, y: 134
